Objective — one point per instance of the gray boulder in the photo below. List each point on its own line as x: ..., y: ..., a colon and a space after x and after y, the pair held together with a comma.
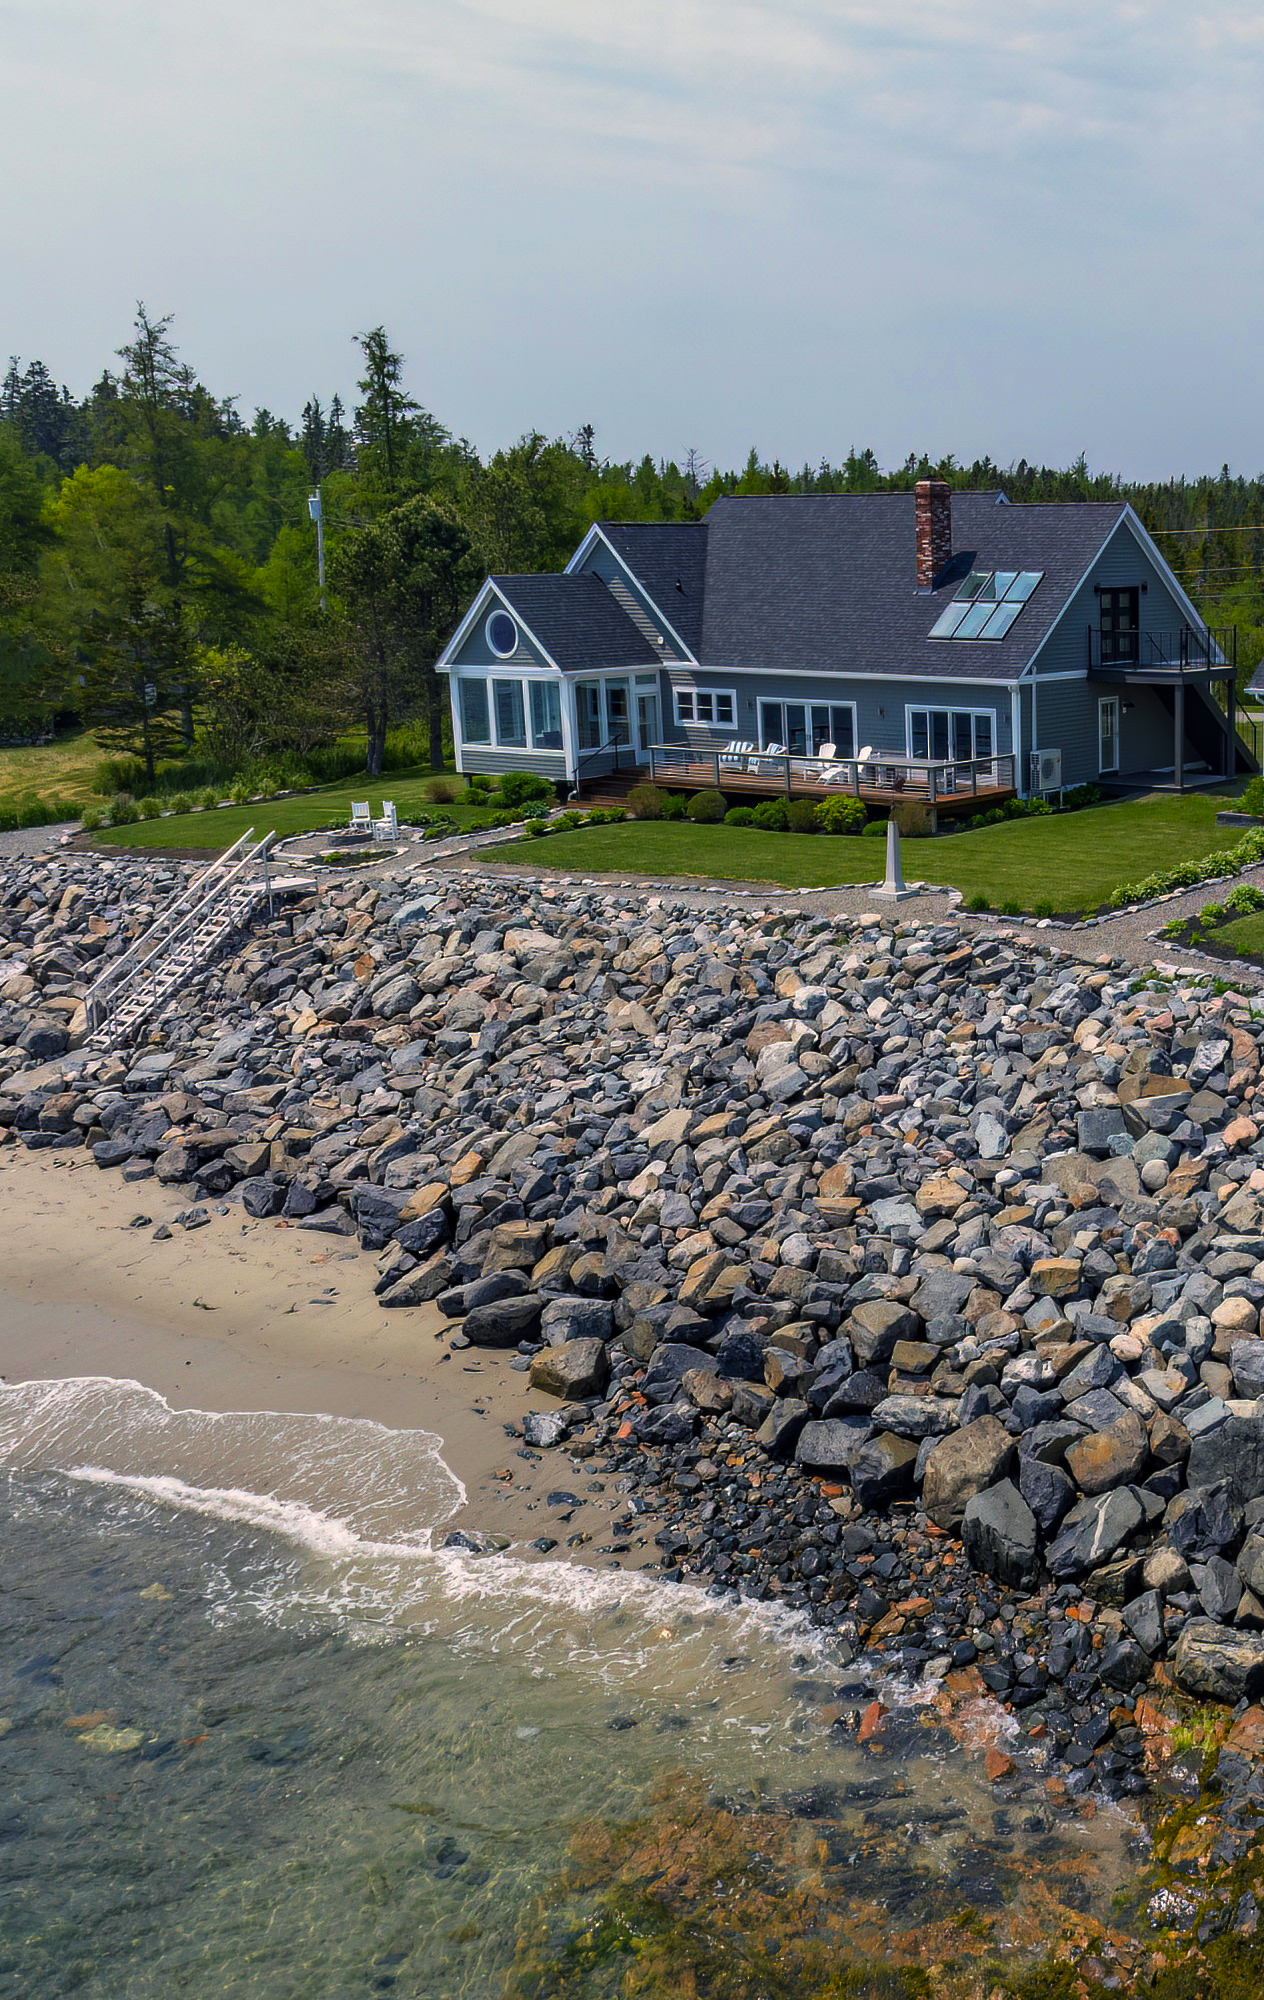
x: 669, y: 1364
x: 882, y: 1469
x: 577, y: 1319
x: 876, y: 1326
x: 1246, y: 1359
x: 961, y: 1465
x: 1047, y: 1491
x: 1234, y: 1452
x: 1093, y: 1530
x: 915, y: 1416
x: 1000, y: 1536
x: 1144, y: 1619
x: 1251, y: 1563
x: 1219, y: 1664
x: 504, y: 1322
x: 576, y: 1369
x: 545, y: 1428
x: 829, y: 1445
x: 781, y: 1429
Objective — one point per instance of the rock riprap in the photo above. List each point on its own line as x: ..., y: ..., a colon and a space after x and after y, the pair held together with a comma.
x: 908, y: 1274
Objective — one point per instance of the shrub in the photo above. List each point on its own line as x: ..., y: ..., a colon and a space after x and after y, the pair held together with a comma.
x: 180, y: 802
x: 1188, y: 874
x: 1011, y: 907
x: 537, y: 828
x: 771, y: 816
x: 123, y: 810
x: 740, y: 816
x: 647, y: 801
x: 240, y: 793
x: 520, y: 788
x: 440, y: 791
x: 505, y: 819
x: 118, y: 774
x: 615, y: 815
x: 1212, y: 913
x: 471, y: 796
x: 1244, y: 900
x: 876, y: 829
x: 841, y: 814
x: 706, y: 808
x: 912, y: 818
x: 1080, y: 796
x: 1044, y: 908
x: 90, y: 819
x: 150, y: 808
x: 978, y: 902
x: 675, y: 806
x: 1252, y: 800
x: 567, y: 821
x: 800, y: 816
x: 207, y: 799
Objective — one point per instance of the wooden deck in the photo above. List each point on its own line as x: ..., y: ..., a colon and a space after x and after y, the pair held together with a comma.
x: 950, y: 788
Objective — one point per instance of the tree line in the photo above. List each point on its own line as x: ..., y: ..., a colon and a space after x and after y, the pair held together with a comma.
x: 158, y: 559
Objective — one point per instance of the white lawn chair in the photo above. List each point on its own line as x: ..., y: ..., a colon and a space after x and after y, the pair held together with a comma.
x: 387, y: 828
x: 361, y: 817
x: 734, y: 755
x: 762, y: 767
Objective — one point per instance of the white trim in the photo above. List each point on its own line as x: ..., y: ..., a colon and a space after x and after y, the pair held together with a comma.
x: 492, y: 647
x: 597, y: 534
x: 924, y: 708
x: 807, y: 703
x: 852, y: 674
x: 1016, y: 739
x: 508, y: 680
x: 1128, y: 518
x: 490, y: 589
x: 691, y: 694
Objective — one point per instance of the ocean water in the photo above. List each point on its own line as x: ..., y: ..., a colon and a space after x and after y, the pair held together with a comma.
x: 260, y: 1737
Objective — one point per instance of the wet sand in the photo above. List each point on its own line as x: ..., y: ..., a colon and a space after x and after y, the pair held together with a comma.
x: 245, y: 1315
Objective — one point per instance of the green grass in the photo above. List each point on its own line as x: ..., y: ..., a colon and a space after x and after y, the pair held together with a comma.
x: 1245, y: 934
x: 1073, y: 860
x: 61, y: 770
x: 330, y: 806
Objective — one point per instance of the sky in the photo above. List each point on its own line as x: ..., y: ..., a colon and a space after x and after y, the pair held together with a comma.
x: 1017, y: 227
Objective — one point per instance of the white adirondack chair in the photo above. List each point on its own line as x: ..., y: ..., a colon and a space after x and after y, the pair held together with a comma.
x: 361, y: 817
x: 387, y: 828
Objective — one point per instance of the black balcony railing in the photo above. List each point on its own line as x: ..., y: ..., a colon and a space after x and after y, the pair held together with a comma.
x: 1190, y: 649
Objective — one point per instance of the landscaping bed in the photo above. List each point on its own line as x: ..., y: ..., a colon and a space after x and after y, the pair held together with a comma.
x: 1058, y: 865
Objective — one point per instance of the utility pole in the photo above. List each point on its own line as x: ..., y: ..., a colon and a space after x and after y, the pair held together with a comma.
x: 317, y: 513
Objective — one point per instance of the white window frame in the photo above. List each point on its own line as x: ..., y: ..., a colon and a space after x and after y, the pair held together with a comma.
x: 512, y: 743
x: 555, y: 688
x: 950, y: 708
x: 499, y: 611
x: 1104, y: 702
x: 462, y: 682
x: 687, y: 699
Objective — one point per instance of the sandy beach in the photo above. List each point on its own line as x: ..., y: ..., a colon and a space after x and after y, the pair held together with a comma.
x: 244, y: 1315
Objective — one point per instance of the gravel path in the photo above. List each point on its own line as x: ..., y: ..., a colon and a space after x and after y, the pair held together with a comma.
x: 31, y: 840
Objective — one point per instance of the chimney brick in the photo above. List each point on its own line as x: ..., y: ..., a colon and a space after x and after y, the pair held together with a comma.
x: 933, y: 502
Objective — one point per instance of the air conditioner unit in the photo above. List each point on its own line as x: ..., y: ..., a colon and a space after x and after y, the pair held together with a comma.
x: 1046, y: 770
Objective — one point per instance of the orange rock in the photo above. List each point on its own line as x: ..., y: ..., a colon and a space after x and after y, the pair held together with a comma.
x: 1247, y: 1734
x: 89, y: 1721
x: 624, y: 1431
x: 870, y: 1722
x: 998, y: 1765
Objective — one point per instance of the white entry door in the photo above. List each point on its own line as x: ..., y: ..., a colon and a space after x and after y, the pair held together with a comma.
x: 1108, y: 734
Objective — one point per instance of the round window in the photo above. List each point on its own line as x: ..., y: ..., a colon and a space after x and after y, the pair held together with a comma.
x: 502, y: 634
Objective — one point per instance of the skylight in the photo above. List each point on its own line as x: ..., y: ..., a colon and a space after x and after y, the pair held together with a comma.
x: 986, y: 603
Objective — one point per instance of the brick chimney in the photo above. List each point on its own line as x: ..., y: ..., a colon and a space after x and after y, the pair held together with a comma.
x: 933, y: 501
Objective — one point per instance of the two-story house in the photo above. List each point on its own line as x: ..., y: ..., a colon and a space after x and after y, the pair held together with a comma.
x: 934, y: 641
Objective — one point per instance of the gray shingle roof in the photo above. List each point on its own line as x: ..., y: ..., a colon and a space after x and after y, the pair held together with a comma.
x: 577, y: 621
x: 668, y: 559
x: 827, y: 582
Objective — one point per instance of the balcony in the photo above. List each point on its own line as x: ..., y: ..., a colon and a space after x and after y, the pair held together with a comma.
x: 1164, y: 657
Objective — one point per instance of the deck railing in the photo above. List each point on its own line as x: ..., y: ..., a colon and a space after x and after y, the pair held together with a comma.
x: 1186, y: 650
x: 881, y: 775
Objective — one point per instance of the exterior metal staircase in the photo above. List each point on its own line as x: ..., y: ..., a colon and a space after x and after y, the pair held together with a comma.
x: 184, y: 936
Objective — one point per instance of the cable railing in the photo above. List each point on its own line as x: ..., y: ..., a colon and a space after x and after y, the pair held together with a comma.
x: 1189, y: 649
x: 880, y: 776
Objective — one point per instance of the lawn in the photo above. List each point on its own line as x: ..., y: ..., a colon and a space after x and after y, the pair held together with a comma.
x: 1073, y: 860
x: 330, y: 806
x: 1245, y: 934
x: 64, y: 769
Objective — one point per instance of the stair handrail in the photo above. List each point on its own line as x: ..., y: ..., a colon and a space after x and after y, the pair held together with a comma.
x: 178, y: 903
x: 107, y: 988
